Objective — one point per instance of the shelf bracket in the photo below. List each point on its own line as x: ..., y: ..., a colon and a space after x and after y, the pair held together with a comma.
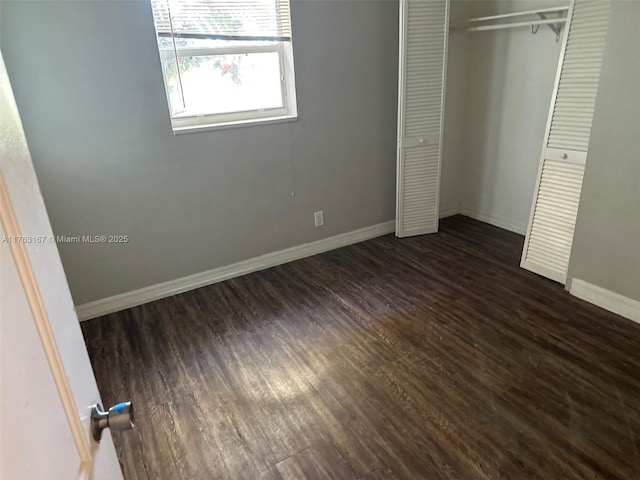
x: 555, y: 28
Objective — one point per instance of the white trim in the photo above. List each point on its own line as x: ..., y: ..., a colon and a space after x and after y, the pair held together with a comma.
x: 208, y: 127
x: 235, y: 49
x: 495, y: 220
x: 403, y: 17
x: 445, y: 60
x: 41, y: 318
x: 173, y: 287
x: 614, y: 302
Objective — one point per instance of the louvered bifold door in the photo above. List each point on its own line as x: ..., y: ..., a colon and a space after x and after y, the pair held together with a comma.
x: 555, y: 203
x: 423, y: 53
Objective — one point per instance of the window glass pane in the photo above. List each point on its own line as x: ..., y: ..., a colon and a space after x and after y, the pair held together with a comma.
x: 217, y: 84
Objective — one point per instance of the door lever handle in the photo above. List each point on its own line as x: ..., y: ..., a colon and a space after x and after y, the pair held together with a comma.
x: 118, y: 417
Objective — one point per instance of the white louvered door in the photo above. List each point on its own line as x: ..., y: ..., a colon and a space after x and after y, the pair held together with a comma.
x: 555, y: 203
x: 423, y: 53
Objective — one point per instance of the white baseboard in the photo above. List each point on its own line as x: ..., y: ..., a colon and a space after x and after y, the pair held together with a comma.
x: 496, y: 220
x: 173, y: 287
x: 606, y: 299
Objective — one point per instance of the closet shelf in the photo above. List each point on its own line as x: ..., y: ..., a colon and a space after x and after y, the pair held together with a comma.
x: 518, y: 14
x: 555, y: 24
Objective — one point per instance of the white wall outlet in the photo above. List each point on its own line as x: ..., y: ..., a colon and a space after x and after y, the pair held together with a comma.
x: 318, y: 218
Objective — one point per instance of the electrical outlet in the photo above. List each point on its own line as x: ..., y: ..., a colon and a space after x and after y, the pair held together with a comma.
x: 318, y: 218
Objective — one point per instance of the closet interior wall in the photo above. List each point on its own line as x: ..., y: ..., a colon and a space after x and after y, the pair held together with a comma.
x: 455, y: 107
x: 499, y: 88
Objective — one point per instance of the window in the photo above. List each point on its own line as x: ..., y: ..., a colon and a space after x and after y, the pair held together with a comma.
x: 225, y: 62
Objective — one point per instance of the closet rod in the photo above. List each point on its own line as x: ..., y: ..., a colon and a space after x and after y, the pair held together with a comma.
x: 518, y: 14
x: 482, y: 28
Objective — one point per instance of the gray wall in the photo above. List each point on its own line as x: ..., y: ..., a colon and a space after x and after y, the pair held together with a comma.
x: 606, y: 245
x: 87, y: 81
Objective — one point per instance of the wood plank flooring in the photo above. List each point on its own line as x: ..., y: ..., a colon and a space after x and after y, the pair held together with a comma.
x: 432, y: 357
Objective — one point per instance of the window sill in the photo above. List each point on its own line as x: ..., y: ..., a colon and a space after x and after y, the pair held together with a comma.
x: 208, y: 127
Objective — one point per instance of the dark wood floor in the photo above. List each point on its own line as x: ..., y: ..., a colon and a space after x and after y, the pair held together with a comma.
x: 433, y: 357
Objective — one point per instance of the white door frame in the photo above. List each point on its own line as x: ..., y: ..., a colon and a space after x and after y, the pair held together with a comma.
x: 27, y: 277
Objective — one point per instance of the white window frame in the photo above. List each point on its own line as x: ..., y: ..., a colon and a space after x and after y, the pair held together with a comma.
x: 185, y: 123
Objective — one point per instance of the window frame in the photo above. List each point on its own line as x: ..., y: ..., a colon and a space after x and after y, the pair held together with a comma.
x: 185, y: 123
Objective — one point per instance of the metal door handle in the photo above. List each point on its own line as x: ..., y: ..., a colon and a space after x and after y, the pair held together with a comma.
x: 118, y: 417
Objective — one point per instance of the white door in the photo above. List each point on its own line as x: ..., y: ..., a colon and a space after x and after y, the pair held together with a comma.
x: 424, y: 28
x: 564, y: 154
x: 47, y: 385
